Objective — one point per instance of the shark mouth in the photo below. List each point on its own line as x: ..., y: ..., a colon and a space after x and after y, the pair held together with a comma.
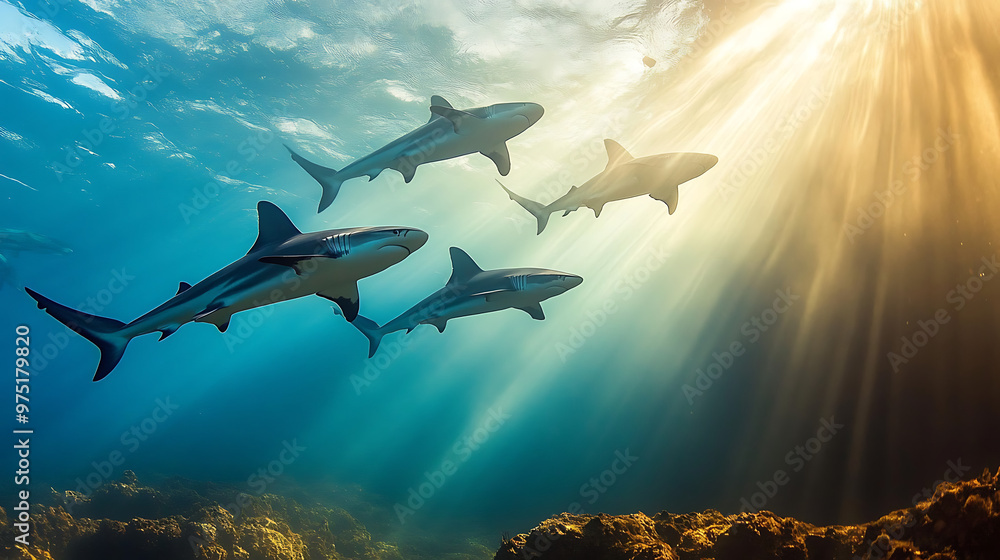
x: 408, y: 251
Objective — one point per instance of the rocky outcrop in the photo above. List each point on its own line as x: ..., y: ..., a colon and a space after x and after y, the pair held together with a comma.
x: 959, y: 522
x: 128, y: 520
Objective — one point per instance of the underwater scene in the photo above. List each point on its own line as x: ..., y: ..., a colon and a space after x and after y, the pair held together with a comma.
x: 565, y: 279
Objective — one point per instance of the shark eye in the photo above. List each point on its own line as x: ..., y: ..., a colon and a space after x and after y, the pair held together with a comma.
x: 395, y: 232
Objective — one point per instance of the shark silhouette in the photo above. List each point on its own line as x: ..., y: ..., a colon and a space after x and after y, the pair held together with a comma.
x: 624, y: 177
x: 449, y: 133
x: 283, y: 264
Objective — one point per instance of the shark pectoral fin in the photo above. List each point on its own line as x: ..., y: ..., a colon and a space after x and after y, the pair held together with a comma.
x: 221, y: 322
x: 462, y: 121
x: 489, y: 295
x: 535, y: 310
x: 208, y: 311
x: 667, y: 196
x: 213, y: 314
x: 501, y: 157
x: 165, y: 332
x: 183, y: 287
x: 408, y: 170
x: 346, y: 298
x: 292, y: 261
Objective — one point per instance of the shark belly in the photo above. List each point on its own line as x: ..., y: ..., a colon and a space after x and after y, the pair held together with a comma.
x: 468, y: 306
x: 440, y: 145
x: 215, y: 299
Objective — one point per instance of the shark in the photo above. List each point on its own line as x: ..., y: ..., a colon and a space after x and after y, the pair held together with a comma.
x: 282, y: 264
x: 450, y: 133
x: 16, y: 241
x: 624, y: 177
x: 474, y: 291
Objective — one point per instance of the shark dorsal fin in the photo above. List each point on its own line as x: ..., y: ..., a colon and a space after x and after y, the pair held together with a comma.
x: 616, y: 153
x: 462, y: 121
x: 274, y: 227
x: 438, y: 101
x: 463, y: 267
x: 183, y: 287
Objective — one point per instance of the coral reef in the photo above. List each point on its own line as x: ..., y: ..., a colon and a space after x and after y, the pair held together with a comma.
x: 960, y: 521
x: 181, y: 520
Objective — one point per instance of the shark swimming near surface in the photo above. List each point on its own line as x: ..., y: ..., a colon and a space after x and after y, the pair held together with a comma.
x: 15, y: 241
x: 472, y: 291
x: 624, y: 177
x: 449, y: 133
x: 282, y: 264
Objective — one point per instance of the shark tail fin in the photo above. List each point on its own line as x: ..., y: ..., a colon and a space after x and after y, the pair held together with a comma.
x: 372, y: 332
x: 538, y: 210
x: 326, y: 177
x: 367, y: 327
x: 105, y: 333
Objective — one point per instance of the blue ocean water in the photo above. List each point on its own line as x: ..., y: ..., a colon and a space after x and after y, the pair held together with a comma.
x: 142, y: 135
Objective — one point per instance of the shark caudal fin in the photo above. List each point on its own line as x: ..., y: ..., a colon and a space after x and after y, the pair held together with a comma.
x: 326, y: 177
x: 104, y: 333
x: 367, y: 327
x: 372, y: 332
x: 538, y: 210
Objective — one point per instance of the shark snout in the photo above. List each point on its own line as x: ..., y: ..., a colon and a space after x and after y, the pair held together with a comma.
x: 710, y: 161
x: 410, y: 239
x: 532, y: 112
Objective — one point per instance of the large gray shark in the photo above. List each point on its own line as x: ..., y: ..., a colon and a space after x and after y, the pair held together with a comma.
x: 283, y: 264
x: 449, y: 133
x: 624, y: 177
x: 472, y: 291
x: 14, y: 241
